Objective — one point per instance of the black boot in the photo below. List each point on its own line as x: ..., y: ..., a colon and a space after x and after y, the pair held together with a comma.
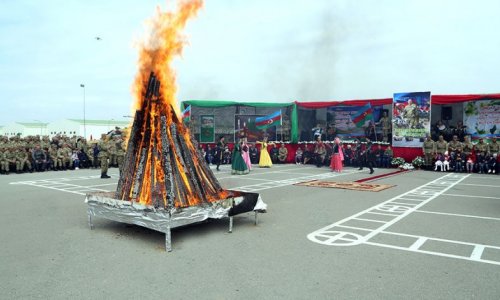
x: 105, y: 175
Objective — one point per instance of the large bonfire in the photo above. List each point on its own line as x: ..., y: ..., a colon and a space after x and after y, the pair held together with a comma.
x: 162, y: 166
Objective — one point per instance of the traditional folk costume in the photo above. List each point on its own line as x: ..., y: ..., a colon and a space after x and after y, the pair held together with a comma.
x: 337, y: 157
x: 238, y: 165
x: 265, y: 159
x: 246, y: 155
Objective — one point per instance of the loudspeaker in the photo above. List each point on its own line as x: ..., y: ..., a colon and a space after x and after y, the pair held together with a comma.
x: 446, y: 113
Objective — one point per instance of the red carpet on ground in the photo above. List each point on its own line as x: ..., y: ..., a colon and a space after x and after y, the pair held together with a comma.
x: 380, y: 176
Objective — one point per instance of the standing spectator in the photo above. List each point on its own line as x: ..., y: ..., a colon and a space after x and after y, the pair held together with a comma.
x: 429, y: 148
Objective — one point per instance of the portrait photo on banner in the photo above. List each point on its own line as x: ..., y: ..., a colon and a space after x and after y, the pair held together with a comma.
x: 410, y: 118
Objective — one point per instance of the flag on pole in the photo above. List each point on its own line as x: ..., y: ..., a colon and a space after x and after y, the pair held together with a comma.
x: 362, y: 115
x: 186, y: 114
x: 271, y: 120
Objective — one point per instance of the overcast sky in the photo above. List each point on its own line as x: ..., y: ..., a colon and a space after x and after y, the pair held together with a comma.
x: 259, y: 50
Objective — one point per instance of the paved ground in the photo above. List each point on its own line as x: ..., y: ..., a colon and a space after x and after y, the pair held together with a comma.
x: 432, y: 236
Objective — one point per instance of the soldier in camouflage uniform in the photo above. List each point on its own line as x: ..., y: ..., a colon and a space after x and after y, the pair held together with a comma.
x: 53, y: 158
x: 103, y: 155
x: 454, y: 144
x: 386, y: 126
x: 64, y: 157
x: 429, y: 149
x: 120, y: 153
x: 9, y: 160
x: 441, y: 145
x: 468, y: 147
x: 481, y: 147
x: 112, y: 152
x: 22, y: 160
x: 493, y: 146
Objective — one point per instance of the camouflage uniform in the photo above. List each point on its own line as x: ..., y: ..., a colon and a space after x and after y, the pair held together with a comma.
x: 9, y: 159
x: 103, y: 156
x: 53, y: 157
x: 481, y: 147
x: 441, y: 146
x: 493, y: 146
x: 429, y: 149
x: 22, y: 160
x: 120, y: 153
x: 112, y: 152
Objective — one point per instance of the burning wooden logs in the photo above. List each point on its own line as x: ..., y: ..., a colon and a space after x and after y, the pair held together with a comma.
x: 162, y: 167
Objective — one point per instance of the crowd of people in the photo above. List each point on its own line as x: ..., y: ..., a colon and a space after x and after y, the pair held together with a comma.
x: 41, y: 153
x: 336, y: 155
x: 462, y: 156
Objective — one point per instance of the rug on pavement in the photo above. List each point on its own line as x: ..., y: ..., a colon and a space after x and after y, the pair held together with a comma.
x: 348, y: 185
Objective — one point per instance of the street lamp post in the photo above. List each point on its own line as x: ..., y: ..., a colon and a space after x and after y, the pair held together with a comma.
x: 84, y: 125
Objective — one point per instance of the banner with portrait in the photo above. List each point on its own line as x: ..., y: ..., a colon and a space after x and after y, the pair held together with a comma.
x: 482, y: 118
x: 410, y: 119
x: 207, y: 129
x: 244, y: 125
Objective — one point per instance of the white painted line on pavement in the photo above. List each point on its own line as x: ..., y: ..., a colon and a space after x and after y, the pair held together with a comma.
x: 457, y: 215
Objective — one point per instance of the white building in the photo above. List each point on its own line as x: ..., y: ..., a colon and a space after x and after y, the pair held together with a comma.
x: 91, y: 129
x: 24, y: 129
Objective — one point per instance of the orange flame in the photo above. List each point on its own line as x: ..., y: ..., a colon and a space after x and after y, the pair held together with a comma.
x: 164, y: 43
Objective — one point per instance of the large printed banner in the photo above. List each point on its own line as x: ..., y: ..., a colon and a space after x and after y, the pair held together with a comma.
x: 410, y: 119
x: 482, y: 118
x: 207, y: 130
x: 244, y: 125
x: 350, y: 121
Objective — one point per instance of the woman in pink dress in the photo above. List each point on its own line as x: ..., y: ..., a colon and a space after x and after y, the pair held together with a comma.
x: 245, y: 154
x: 337, y: 156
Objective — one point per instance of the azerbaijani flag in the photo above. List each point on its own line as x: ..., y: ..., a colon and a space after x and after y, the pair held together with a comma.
x: 362, y: 115
x: 186, y: 114
x: 268, y: 121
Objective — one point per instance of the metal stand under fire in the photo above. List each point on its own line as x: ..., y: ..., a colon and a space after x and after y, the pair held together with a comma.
x: 164, y: 182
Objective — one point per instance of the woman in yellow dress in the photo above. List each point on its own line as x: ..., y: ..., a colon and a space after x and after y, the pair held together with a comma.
x: 265, y: 159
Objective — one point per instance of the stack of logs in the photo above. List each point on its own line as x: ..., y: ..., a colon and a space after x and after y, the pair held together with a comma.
x: 162, y: 166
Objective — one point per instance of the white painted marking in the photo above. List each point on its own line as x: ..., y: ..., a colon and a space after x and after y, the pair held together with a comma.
x: 418, y: 243
x: 457, y: 215
x: 434, y: 253
x: 477, y: 252
x: 471, y: 196
x: 485, y: 185
x: 390, y: 206
x: 369, y: 220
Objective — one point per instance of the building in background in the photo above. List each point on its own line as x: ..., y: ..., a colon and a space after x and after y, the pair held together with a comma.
x: 24, y: 129
x: 92, y: 129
